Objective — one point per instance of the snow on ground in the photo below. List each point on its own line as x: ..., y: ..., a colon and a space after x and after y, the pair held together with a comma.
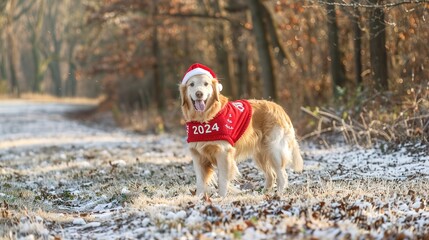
x: 26, y: 123
x: 68, y: 180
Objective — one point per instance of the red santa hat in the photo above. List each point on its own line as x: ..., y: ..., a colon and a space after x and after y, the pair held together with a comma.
x: 199, y: 69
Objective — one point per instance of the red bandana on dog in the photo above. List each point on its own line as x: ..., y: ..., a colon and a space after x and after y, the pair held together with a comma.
x: 229, y: 124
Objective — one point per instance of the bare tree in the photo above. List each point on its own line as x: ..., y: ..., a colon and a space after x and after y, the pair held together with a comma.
x: 71, y: 82
x: 3, y: 75
x: 337, y: 68
x: 223, y: 50
x: 10, y: 48
x: 35, y: 25
x: 157, y: 59
x: 357, y: 44
x: 56, y: 42
x: 263, y: 48
x: 377, y: 47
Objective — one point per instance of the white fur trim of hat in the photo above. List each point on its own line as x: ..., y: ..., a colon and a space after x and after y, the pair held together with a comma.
x: 200, y: 69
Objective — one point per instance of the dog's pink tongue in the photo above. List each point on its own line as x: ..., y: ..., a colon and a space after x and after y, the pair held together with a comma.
x: 200, y: 105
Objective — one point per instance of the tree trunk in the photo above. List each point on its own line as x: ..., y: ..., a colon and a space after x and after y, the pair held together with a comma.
x: 54, y: 66
x: 11, y: 51
x: 242, y: 60
x: 377, y: 48
x: 158, y: 80
x: 310, y: 58
x: 36, y: 31
x: 263, y: 47
x: 71, y: 80
x: 56, y: 77
x: 357, y: 45
x: 157, y: 71
x: 283, y: 55
x: 2, y: 69
x: 337, y: 68
x: 223, y: 52
x: 36, y: 61
x: 11, y: 54
x: 223, y: 59
x: 3, y: 75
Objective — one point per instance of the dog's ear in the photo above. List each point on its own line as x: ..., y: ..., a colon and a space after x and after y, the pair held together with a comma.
x: 215, y: 89
x: 182, y: 88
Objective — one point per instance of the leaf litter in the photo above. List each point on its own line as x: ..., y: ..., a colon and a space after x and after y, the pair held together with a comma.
x: 143, y: 187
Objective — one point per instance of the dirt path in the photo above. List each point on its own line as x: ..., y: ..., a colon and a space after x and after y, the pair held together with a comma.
x: 30, y: 124
x: 65, y: 179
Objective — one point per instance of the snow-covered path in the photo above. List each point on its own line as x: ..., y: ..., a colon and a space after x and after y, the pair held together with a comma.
x: 28, y: 124
x: 85, y: 180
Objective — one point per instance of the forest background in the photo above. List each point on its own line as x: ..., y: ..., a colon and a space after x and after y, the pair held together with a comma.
x: 359, y: 67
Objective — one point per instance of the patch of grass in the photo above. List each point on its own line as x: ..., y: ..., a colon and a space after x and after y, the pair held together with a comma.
x: 376, y: 118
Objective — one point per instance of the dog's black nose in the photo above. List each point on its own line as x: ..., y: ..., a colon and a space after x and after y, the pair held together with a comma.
x: 199, y: 94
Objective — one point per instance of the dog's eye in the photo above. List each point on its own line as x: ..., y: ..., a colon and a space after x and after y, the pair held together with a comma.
x: 206, y: 84
x: 192, y: 84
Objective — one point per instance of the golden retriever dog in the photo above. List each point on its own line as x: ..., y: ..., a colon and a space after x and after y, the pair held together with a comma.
x: 267, y: 136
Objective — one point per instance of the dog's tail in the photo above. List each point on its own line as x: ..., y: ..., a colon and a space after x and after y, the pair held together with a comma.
x: 284, y: 140
x: 285, y: 143
x: 297, y: 162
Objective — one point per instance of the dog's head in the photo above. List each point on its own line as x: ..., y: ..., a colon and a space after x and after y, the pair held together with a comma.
x: 199, y: 97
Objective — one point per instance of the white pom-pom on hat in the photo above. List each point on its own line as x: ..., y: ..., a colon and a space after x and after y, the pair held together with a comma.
x: 200, y: 69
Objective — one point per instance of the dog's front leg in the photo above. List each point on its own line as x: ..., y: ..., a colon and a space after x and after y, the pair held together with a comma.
x: 201, y: 186
x: 198, y: 168
x: 226, y: 169
x: 203, y: 171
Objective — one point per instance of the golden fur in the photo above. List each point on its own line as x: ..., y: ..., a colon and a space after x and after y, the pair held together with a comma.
x: 269, y: 139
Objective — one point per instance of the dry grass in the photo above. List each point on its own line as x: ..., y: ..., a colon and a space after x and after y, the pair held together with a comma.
x: 391, y: 119
x: 151, y: 120
x: 308, y: 194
